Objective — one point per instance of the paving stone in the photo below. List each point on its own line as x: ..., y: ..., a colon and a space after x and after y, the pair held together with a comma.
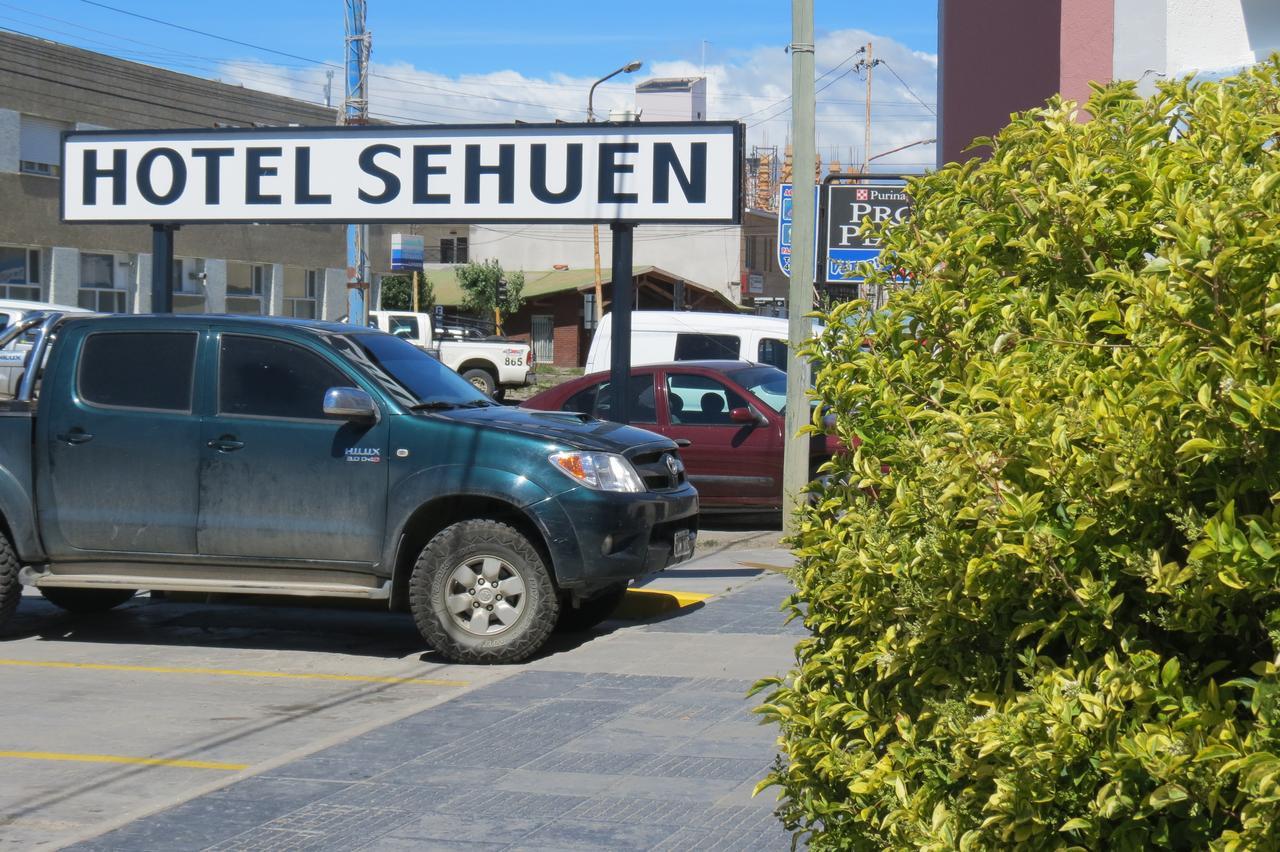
x: 279, y: 792
x: 504, y: 804
x: 691, y: 766
x: 484, y: 830
x: 720, y: 841
x: 432, y: 773
x: 586, y: 834
x: 590, y: 762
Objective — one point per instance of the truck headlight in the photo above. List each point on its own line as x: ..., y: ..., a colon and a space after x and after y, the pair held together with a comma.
x: 601, y: 471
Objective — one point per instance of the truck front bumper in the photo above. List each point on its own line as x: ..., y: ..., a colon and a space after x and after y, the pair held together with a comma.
x: 598, y: 539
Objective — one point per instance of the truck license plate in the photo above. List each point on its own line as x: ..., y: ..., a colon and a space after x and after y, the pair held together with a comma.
x: 684, y: 544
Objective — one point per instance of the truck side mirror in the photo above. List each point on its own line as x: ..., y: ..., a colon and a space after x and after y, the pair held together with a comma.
x: 349, y: 404
x: 743, y: 415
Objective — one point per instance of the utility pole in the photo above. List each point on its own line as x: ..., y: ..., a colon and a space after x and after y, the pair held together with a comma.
x: 804, y: 221
x: 867, y: 64
x: 355, y: 111
x: 328, y: 88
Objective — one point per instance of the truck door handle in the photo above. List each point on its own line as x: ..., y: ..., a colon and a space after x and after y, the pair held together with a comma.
x: 226, y: 444
x: 75, y: 436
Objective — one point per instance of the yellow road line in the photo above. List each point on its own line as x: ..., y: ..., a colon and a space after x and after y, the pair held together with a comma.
x: 681, y: 598
x: 105, y: 667
x: 117, y: 758
x: 766, y: 566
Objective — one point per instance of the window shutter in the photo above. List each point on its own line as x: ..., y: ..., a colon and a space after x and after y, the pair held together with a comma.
x: 40, y: 140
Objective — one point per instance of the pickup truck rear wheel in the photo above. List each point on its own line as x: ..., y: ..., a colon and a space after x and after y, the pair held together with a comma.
x: 10, y: 588
x: 86, y: 601
x: 482, y: 379
x: 480, y: 593
x: 589, y: 613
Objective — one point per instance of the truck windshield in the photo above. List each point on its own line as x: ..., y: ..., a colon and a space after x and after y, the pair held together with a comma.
x: 412, y: 376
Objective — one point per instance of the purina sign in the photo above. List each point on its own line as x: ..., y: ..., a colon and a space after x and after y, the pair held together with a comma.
x: 634, y: 172
x: 849, y: 207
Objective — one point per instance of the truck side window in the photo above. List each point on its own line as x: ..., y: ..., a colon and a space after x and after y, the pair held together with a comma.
x: 141, y: 369
x: 403, y: 326
x: 260, y: 377
x: 707, y: 347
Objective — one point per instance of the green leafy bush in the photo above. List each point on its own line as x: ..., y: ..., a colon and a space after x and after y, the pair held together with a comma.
x: 1043, y: 592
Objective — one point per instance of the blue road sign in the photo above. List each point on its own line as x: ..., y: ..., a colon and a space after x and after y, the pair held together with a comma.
x: 785, y: 199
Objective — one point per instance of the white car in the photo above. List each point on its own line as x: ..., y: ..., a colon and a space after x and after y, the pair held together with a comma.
x: 14, y: 356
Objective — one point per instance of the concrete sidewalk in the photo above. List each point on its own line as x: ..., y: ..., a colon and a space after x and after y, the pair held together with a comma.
x: 638, y: 736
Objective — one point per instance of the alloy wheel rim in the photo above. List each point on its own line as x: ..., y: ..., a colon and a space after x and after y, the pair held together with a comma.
x: 485, y: 595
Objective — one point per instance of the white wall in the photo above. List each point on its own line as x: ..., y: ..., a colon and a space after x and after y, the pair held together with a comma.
x: 707, y: 255
x: 1174, y: 38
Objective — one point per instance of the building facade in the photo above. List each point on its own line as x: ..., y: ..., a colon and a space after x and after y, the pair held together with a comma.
x: 997, y: 57
x: 47, y: 88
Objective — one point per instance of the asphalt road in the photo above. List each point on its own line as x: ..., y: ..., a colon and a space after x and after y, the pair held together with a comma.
x: 130, y: 721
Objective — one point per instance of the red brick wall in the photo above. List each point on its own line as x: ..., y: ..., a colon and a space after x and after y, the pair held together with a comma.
x: 570, y: 340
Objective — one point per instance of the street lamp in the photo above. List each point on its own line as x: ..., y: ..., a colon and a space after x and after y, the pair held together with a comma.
x: 633, y: 65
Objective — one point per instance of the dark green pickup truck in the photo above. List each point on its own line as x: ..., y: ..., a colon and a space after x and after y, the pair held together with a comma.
x: 272, y: 456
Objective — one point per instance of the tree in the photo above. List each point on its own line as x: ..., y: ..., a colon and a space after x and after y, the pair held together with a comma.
x: 1044, y: 590
x: 481, y: 284
x: 397, y: 293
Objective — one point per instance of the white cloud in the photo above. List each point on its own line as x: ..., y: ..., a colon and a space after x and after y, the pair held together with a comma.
x: 753, y: 85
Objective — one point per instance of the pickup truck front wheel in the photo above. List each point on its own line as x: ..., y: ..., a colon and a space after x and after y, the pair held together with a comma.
x: 86, y: 601
x: 480, y: 593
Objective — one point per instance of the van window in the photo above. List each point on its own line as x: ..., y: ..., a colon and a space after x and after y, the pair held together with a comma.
x: 773, y: 352
x: 144, y: 369
x: 707, y: 347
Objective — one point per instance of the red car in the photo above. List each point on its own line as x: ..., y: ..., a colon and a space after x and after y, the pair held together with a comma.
x: 730, y: 412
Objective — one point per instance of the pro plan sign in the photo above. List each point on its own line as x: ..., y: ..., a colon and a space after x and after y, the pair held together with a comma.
x: 849, y: 207
x: 635, y: 172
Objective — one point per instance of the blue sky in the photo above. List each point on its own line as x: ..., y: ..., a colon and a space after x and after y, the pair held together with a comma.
x: 498, y: 61
x: 535, y: 38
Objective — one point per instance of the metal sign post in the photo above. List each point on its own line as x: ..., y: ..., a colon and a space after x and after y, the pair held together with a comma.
x: 162, y: 268
x: 623, y: 302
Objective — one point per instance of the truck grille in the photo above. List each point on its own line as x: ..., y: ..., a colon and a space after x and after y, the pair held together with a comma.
x: 653, y: 467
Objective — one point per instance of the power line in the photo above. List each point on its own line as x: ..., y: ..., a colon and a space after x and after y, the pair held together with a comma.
x: 207, y: 34
x: 910, y: 90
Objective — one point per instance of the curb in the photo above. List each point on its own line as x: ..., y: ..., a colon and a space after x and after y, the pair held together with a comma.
x: 646, y: 603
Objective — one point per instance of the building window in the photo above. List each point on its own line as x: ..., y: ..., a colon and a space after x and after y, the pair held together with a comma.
x: 246, y: 286
x: 20, y: 273
x: 453, y: 250
x: 300, y: 289
x: 40, y: 145
x: 188, y: 290
x: 100, y: 284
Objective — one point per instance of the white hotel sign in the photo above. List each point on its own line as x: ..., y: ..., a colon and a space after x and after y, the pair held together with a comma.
x: 636, y: 172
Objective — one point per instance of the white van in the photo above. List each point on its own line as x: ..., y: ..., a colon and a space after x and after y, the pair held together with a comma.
x: 661, y: 336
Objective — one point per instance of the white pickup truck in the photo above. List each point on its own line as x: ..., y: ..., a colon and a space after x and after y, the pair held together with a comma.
x: 491, y: 365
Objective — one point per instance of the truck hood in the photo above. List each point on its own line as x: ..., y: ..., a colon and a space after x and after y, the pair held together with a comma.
x: 576, y: 431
